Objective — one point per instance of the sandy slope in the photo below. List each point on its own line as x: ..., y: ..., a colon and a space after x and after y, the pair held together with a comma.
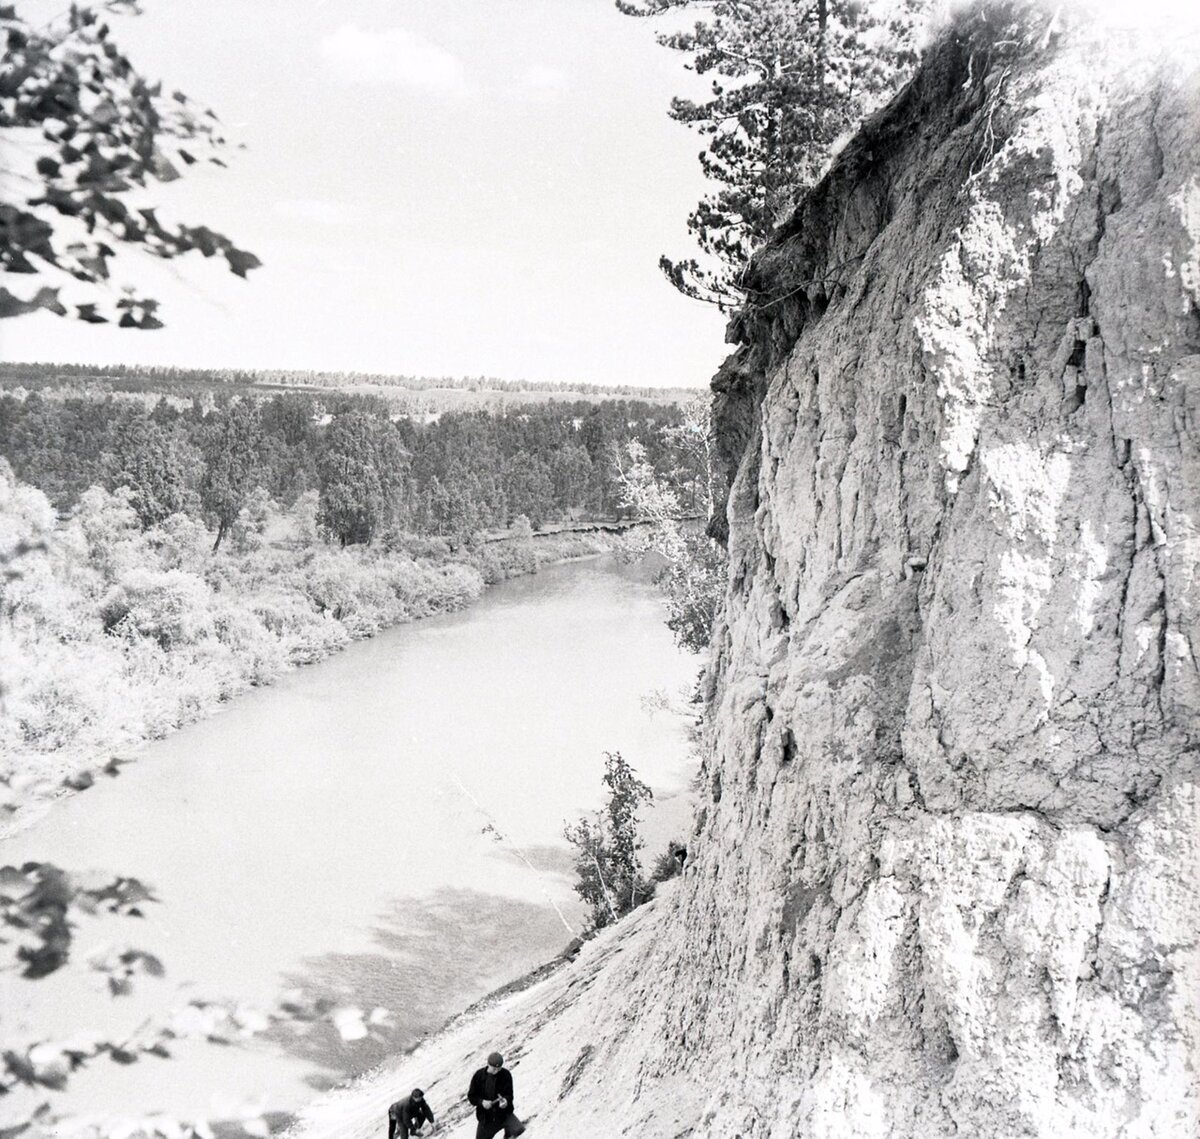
x: 550, y: 1041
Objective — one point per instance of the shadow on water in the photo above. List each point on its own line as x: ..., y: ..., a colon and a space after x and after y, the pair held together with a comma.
x: 544, y: 858
x: 436, y: 956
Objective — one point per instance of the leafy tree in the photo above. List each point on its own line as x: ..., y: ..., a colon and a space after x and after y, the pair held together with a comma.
x: 456, y: 508
x: 452, y: 477
x: 303, y: 515
x: 289, y: 444
x: 789, y: 79
x: 361, y: 469
x: 233, y: 464
x: 160, y: 467
x: 94, y: 133
x: 570, y: 473
x: 530, y: 491
x: 687, y: 460
x: 254, y: 521
x: 693, y: 574
x: 609, y: 873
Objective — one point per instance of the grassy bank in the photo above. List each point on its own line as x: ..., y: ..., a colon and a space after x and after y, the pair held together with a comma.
x: 113, y: 635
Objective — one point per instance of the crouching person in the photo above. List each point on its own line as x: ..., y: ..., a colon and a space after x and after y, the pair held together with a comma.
x: 491, y: 1093
x: 407, y: 1116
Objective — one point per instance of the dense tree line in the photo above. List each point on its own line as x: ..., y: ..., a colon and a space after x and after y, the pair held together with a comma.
x: 370, y: 475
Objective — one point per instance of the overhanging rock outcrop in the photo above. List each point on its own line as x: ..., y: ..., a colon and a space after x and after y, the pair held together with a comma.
x: 944, y: 880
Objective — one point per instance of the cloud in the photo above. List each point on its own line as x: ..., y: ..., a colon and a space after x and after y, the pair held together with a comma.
x: 544, y: 79
x: 390, y: 56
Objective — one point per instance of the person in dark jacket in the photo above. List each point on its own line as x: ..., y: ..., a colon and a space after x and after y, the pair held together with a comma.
x: 408, y: 1115
x: 491, y: 1093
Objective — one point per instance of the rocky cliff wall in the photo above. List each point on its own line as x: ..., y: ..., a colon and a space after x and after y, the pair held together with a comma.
x: 947, y: 880
x: 944, y: 881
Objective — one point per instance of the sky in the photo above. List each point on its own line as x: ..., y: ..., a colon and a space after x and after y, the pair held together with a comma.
x: 435, y: 187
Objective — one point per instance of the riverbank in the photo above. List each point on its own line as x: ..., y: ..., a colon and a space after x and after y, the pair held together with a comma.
x: 115, y: 636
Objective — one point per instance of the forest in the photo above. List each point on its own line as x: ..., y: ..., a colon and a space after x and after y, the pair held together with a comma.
x: 364, y: 472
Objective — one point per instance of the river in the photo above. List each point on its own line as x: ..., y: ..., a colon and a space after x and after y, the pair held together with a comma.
x: 335, y: 832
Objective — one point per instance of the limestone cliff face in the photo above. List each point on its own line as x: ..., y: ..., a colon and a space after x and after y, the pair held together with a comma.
x: 944, y: 881
x: 947, y: 880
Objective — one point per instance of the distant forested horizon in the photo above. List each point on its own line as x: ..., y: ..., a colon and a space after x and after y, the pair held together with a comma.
x: 139, y: 377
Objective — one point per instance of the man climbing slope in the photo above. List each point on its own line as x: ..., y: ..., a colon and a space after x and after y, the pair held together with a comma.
x: 491, y: 1093
x: 408, y: 1115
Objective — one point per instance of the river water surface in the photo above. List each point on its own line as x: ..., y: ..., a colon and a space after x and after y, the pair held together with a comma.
x: 337, y: 832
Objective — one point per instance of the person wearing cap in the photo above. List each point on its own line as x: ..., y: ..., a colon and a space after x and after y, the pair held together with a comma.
x: 491, y: 1093
x: 408, y: 1115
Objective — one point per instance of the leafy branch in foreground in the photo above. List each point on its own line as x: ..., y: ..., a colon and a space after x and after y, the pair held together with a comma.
x: 789, y: 78
x: 37, y: 901
x: 41, y: 906
x: 84, y: 136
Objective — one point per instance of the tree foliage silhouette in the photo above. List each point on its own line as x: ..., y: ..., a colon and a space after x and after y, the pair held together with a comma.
x: 85, y: 135
x: 789, y: 78
x: 607, y: 863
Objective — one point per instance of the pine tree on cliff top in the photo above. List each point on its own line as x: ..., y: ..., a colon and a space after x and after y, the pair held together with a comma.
x: 789, y: 79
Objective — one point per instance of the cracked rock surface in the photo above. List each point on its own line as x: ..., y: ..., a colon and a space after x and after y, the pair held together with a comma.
x: 958, y: 707
x: 944, y: 881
